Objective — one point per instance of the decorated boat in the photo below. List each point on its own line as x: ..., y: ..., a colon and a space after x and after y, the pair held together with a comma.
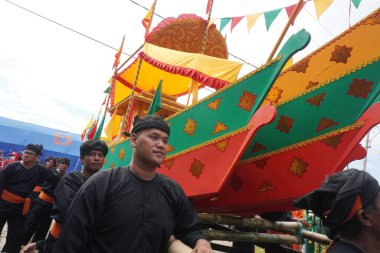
x: 258, y: 141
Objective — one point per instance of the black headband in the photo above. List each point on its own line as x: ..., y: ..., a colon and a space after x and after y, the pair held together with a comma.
x: 35, y: 148
x: 150, y: 122
x: 92, y: 145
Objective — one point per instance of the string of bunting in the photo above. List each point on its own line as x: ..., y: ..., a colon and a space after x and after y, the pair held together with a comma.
x: 320, y: 7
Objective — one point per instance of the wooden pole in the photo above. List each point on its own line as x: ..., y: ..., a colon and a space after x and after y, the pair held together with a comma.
x: 252, y: 223
x: 291, y: 19
x: 250, y: 237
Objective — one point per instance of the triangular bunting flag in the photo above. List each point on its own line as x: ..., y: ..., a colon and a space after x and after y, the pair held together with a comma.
x: 251, y: 20
x: 356, y: 3
x: 270, y: 16
x: 156, y: 102
x: 235, y: 21
x: 290, y: 9
x: 224, y: 22
x: 321, y: 6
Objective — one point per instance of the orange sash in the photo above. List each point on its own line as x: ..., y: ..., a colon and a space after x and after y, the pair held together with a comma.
x: 15, y: 199
x: 55, y: 229
x: 37, y: 188
x: 46, y: 197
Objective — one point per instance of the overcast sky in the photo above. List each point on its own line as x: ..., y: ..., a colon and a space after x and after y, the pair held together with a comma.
x: 54, y: 76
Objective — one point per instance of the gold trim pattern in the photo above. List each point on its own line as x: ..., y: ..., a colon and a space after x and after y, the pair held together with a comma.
x: 335, y: 39
x: 204, y: 144
x: 219, y: 127
x: 304, y: 143
x: 214, y: 104
x: 190, y: 127
x: 358, y: 67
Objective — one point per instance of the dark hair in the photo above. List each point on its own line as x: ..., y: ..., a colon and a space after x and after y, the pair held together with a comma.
x: 51, y: 158
x: 92, y: 145
x: 64, y: 160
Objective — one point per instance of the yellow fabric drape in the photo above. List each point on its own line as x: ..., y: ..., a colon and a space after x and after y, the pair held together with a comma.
x: 175, y: 84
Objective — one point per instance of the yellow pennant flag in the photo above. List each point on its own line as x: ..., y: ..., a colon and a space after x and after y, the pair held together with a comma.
x: 251, y: 20
x: 321, y: 6
x: 112, y: 127
x: 89, y: 124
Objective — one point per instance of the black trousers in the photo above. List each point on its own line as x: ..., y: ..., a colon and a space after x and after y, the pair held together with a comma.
x: 38, y: 221
x: 15, y: 234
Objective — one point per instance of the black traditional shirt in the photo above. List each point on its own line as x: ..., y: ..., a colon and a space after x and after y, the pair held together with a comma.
x: 64, y: 193
x: 339, y: 246
x: 21, y: 181
x: 115, y: 211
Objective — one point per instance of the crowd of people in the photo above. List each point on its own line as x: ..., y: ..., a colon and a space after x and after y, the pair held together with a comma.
x: 135, y: 209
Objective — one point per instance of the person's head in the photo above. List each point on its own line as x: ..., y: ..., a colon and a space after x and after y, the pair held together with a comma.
x: 50, y: 162
x: 149, y: 139
x: 32, y: 153
x: 92, y: 155
x: 348, y: 203
x: 63, y: 164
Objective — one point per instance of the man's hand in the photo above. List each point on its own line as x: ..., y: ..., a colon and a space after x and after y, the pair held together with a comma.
x: 202, y: 246
x: 29, y: 248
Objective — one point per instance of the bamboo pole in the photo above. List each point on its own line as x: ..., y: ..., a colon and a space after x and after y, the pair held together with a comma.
x: 250, y: 237
x: 291, y: 19
x: 252, y: 223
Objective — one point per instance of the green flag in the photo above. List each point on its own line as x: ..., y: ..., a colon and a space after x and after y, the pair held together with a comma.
x: 156, y: 102
x: 356, y: 3
x: 100, y: 129
x: 270, y: 16
x: 223, y: 23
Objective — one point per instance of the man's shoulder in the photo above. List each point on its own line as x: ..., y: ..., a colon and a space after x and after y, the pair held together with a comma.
x: 340, y: 246
x: 72, y: 175
x: 111, y: 174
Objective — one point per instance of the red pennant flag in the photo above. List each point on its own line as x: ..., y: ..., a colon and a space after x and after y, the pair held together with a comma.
x: 92, y: 131
x: 208, y: 8
x: 235, y: 21
x: 118, y: 53
x: 290, y: 9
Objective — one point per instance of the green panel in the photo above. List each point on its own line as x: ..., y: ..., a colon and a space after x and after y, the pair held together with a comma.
x: 337, y: 105
x: 229, y: 113
x: 113, y: 158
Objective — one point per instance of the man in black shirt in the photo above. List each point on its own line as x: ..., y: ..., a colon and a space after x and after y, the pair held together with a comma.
x: 92, y: 155
x: 349, y: 205
x: 17, y: 181
x: 38, y: 220
x: 133, y: 209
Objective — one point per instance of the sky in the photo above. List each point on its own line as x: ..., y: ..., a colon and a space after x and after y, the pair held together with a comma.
x: 56, y: 63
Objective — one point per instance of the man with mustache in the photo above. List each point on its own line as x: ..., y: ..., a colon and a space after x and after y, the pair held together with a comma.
x: 133, y: 208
